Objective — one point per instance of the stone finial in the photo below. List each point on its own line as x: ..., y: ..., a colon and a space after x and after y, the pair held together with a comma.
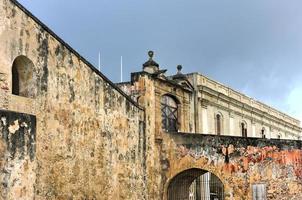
x: 151, y: 54
x: 179, y: 68
x: 179, y: 75
x: 150, y: 66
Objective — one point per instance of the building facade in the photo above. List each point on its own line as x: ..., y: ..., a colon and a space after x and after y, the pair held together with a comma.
x: 212, y: 108
x: 238, y: 115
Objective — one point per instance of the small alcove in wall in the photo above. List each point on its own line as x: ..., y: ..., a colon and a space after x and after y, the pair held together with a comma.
x: 24, y: 77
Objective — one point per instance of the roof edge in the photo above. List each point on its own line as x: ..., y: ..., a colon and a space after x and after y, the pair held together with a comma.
x: 241, y: 93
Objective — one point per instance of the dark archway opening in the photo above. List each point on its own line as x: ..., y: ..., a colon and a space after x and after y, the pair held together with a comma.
x: 23, y: 77
x: 195, y: 184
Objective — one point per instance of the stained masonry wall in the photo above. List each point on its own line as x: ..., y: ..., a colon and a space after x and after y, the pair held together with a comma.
x: 90, y: 141
x: 89, y: 136
x: 239, y: 163
x: 150, y: 90
x: 17, y: 155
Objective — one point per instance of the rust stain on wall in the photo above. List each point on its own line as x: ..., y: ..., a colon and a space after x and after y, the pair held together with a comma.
x: 241, y: 162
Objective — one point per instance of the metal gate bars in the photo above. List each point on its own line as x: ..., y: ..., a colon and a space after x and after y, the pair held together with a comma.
x: 196, y: 184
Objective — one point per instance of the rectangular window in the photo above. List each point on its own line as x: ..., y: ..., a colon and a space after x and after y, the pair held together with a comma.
x: 259, y: 191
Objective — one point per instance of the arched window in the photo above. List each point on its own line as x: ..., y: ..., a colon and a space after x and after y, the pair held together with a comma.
x: 169, y: 113
x: 23, y: 77
x: 263, y: 132
x: 218, y: 124
x: 243, y: 129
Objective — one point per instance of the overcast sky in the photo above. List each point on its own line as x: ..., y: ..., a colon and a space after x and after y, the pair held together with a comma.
x: 254, y: 46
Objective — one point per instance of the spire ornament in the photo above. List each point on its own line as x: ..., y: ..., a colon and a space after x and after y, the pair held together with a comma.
x: 179, y: 68
x: 151, y: 54
x: 150, y: 66
x: 179, y: 75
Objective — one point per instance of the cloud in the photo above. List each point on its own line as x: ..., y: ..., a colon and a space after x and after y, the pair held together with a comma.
x: 294, y: 100
x: 252, y: 46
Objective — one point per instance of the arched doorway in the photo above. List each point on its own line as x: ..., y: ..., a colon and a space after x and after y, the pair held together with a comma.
x: 195, y: 184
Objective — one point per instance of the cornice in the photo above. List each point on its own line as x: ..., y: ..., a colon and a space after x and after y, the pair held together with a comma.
x: 230, y: 90
x: 245, y: 107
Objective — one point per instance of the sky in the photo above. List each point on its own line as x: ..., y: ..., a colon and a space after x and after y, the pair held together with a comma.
x: 254, y: 47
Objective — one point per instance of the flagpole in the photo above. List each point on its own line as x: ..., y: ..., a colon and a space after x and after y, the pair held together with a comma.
x: 121, y: 68
x: 99, y: 61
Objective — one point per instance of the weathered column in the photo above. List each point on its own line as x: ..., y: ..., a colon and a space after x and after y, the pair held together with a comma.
x: 231, y: 131
x: 253, y: 129
x: 204, y: 117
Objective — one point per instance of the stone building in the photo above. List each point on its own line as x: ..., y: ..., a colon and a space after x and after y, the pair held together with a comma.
x: 217, y: 109
x: 68, y: 132
x: 192, y: 104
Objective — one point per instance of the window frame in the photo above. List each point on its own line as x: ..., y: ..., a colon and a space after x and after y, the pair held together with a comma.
x: 263, y: 133
x: 169, y: 113
x: 243, y: 126
x: 218, y: 123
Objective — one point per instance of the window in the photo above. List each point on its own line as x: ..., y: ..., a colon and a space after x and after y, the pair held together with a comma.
x: 263, y: 133
x: 243, y: 129
x: 15, y: 80
x: 169, y: 113
x: 218, y: 124
x: 259, y: 191
x: 23, y: 77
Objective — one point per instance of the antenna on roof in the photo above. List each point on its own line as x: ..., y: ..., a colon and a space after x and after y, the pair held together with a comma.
x: 99, y: 66
x: 121, y: 68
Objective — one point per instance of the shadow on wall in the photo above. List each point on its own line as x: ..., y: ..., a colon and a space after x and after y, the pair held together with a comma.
x: 17, y: 155
x: 24, y: 77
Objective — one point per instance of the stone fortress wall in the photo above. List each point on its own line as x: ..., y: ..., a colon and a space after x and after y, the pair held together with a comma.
x: 87, y: 140
x: 67, y: 132
x: 241, y: 163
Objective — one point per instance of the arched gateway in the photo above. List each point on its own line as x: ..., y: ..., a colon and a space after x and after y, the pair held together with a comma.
x: 195, y: 184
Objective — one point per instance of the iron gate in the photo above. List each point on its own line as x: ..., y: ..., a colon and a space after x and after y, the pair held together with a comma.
x: 196, y: 185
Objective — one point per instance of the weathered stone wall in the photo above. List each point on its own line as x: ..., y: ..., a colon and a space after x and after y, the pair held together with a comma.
x: 150, y: 90
x: 17, y: 155
x: 93, y: 142
x: 239, y: 163
x: 145, y: 89
x: 89, y: 135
